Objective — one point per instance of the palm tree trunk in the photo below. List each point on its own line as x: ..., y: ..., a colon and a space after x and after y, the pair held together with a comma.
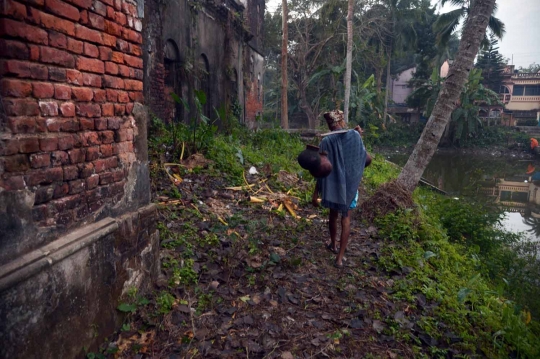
x: 348, y: 63
x: 388, y: 83
x: 473, y: 33
x: 284, y: 82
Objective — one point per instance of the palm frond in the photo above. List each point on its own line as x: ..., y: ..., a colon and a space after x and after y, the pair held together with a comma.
x: 447, y: 23
x: 497, y: 27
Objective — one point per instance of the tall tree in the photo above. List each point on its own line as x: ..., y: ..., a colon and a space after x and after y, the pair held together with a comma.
x: 448, y: 22
x: 492, y: 64
x: 284, y: 82
x: 402, y: 15
x: 473, y: 33
x: 348, y: 62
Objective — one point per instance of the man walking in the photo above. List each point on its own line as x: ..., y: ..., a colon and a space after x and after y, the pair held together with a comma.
x: 339, y: 190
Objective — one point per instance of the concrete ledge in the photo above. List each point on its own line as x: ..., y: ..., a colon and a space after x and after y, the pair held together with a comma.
x: 24, y: 267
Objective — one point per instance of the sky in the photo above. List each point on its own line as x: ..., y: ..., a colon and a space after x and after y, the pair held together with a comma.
x: 522, y: 20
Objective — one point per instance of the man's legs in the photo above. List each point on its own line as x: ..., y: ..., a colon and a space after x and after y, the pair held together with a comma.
x: 332, y: 225
x: 345, y: 231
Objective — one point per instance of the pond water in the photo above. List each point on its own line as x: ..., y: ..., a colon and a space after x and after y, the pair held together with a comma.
x: 511, y: 182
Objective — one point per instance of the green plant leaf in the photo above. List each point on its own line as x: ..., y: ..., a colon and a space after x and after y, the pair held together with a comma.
x: 462, y: 294
x: 126, y: 328
x: 125, y: 307
x: 274, y: 257
x: 429, y: 254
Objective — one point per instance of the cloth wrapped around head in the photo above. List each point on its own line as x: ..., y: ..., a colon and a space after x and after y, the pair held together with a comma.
x: 334, y: 120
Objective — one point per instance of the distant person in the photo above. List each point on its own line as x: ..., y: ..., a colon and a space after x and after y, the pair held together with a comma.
x: 534, y: 144
x: 339, y: 190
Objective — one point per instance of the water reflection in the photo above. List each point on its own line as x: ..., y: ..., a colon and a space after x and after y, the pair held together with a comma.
x: 511, y: 183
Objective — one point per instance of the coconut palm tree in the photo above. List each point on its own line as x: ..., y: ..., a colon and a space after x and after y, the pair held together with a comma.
x: 448, y: 22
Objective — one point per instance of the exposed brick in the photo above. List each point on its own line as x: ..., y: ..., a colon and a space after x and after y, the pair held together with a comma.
x: 129, y: 9
x: 70, y: 173
x: 137, y: 24
x: 52, y: 22
x: 92, y: 182
x: 14, y: 50
x: 22, y: 124
x: 16, y: 163
x: 91, y: 65
x: 61, y: 190
x: 111, y: 68
x: 28, y: 32
x: 57, y: 74
x: 91, y: 50
x: 85, y: 4
x: 123, y: 96
x: 62, y: 9
x: 87, y: 34
x: 74, y: 77
x: 133, y: 85
x: 106, y: 150
x: 48, y: 144
x: 43, y: 194
x: 123, y: 70
x: 65, y: 143
x: 39, y: 160
x: 48, y: 108
x: 135, y: 50
x: 84, y: 17
x: 15, y: 88
x: 96, y: 21
x: 67, y: 203
x: 64, y: 219
x: 117, y: 57
x: 129, y: 108
x: 42, y: 90
x: 13, y: 183
x: 44, y: 176
x: 100, y: 8
x: 24, y: 70
x: 82, y: 93
x: 136, y: 74
x: 120, y: 18
x: 112, y: 95
x: 105, y: 53
x: 87, y: 124
x: 90, y: 138
x: 100, y: 96
x: 28, y: 145
x: 57, y: 39
x: 34, y: 52
x: 92, y: 153
x: 13, y: 9
x: 21, y: 107
x: 113, y: 28
x: 122, y: 45
x: 70, y: 125
x: 86, y: 169
x: 77, y: 186
x: 57, y: 57
x: 136, y: 96
x: 77, y: 155
x: 119, y: 110
x: 122, y: 147
x: 113, y: 82
x: 131, y: 35
x: 9, y: 147
x: 110, y: 12
x: 75, y: 46
x: 106, y: 137
x: 106, y: 178
x: 62, y: 92
x: 105, y: 164
x: 114, y: 123
x: 100, y: 123
x: 67, y: 109
x: 118, y: 5
x: 109, y: 40
x: 88, y: 110
x: 91, y: 80
x: 41, y: 124
x: 59, y: 158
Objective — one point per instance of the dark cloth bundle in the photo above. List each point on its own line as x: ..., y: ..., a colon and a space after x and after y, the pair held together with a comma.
x: 347, y: 154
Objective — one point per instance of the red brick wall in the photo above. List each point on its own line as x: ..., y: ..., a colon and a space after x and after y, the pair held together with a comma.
x: 70, y: 74
x: 254, y: 104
